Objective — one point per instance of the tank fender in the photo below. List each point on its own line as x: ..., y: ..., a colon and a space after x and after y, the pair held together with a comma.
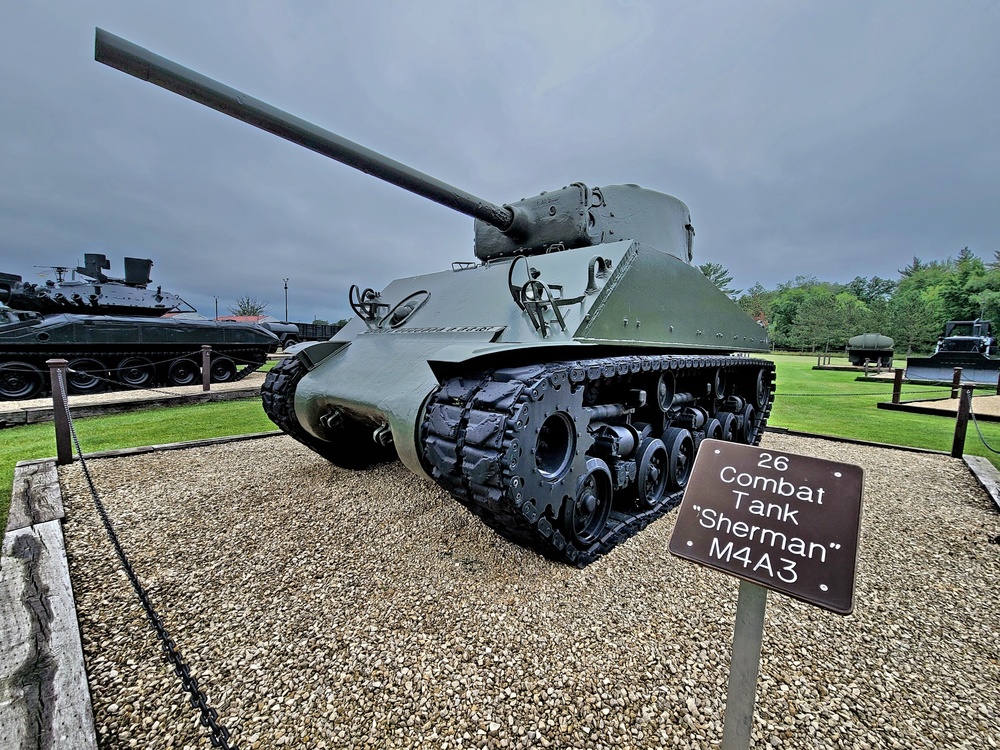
x: 312, y: 354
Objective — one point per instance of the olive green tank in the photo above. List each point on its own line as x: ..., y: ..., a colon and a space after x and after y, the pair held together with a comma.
x: 558, y: 386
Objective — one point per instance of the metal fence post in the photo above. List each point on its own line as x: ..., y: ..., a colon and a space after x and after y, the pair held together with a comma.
x: 956, y: 382
x: 962, y: 421
x: 206, y: 367
x: 57, y: 378
x: 897, y: 385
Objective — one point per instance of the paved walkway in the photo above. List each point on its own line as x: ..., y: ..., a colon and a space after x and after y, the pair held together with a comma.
x: 34, y: 410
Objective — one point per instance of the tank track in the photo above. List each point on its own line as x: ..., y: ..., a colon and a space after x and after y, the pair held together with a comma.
x: 481, y: 438
x: 159, y: 358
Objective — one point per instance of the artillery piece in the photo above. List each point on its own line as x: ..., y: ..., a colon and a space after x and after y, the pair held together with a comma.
x: 558, y: 388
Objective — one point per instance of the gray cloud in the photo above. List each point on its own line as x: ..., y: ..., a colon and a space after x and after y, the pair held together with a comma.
x: 832, y: 140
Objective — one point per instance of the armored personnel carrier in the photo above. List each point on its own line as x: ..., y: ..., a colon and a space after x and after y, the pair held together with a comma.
x: 558, y: 387
x: 110, y: 332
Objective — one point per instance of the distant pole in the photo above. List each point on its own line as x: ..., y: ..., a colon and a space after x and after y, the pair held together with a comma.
x: 286, y: 300
x: 216, y: 308
x: 956, y: 382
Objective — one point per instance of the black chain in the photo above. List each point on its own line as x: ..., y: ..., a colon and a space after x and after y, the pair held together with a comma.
x: 982, y: 439
x: 250, y: 366
x: 218, y: 733
x: 779, y: 394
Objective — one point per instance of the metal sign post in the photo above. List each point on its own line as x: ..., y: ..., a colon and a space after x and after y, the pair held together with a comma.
x: 777, y: 521
x: 748, y: 633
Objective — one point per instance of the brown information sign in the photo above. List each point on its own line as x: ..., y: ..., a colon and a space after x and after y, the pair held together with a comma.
x: 786, y: 522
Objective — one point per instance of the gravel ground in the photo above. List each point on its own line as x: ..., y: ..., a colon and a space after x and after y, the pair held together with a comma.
x: 326, y: 609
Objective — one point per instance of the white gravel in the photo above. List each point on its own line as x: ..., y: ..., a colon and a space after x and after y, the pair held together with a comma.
x: 327, y: 609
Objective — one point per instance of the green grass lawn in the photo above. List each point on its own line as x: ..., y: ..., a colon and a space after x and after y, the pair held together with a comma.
x: 830, y: 402
x: 824, y: 402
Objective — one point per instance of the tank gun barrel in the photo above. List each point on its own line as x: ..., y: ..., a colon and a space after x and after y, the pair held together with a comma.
x: 139, y: 62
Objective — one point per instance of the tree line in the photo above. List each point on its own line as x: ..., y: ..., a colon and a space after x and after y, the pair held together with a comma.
x: 811, y: 315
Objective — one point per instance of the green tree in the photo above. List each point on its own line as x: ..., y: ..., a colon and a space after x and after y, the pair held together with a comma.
x: 959, y: 289
x: 756, y: 302
x: 720, y: 276
x: 914, y: 321
x: 871, y: 290
x: 249, y: 305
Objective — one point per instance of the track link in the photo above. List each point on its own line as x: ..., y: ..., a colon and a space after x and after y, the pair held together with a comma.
x: 487, y: 439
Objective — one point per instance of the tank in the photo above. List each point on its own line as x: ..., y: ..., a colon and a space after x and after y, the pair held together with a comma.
x: 109, y: 331
x: 969, y: 344
x: 558, y: 386
x: 873, y: 348
x: 95, y: 293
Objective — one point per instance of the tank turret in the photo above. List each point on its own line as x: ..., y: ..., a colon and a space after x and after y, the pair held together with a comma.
x: 96, y: 294
x: 559, y: 388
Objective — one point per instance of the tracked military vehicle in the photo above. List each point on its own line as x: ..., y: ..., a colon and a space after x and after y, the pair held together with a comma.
x: 558, y: 387
x: 110, y: 332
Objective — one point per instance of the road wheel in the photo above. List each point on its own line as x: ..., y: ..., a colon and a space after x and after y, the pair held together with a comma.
x: 183, y: 372
x: 20, y: 380
x: 86, y: 375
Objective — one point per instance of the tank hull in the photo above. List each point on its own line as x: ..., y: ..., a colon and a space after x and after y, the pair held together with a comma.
x: 649, y: 301
x: 120, y: 352
x: 565, y: 427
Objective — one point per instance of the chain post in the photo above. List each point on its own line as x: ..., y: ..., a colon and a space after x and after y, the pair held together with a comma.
x: 206, y: 367
x: 60, y: 410
x: 962, y: 421
x: 897, y: 385
x: 956, y: 382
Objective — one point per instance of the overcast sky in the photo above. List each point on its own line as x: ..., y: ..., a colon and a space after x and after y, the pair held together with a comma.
x: 831, y: 139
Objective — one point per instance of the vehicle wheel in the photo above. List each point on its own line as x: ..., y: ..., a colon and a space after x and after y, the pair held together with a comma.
x: 680, y: 453
x: 86, y: 375
x: 183, y: 372
x: 20, y: 380
x: 135, y: 371
x: 730, y: 426
x: 652, y: 468
x: 762, y: 388
x: 585, y: 515
x: 713, y: 429
x: 222, y: 370
x: 748, y: 430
